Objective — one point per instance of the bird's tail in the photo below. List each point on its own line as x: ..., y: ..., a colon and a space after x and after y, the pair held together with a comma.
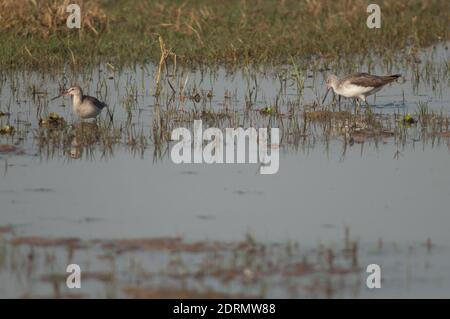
x: 391, y: 78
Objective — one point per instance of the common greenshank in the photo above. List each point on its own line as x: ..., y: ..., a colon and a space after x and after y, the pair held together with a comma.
x: 358, y: 85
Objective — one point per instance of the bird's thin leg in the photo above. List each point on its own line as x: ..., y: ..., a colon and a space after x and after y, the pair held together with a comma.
x: 111, y: 116
x: 339, y: 102
x: 357, y: 106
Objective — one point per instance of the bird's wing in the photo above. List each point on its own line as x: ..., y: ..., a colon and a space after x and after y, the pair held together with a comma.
x: 368, y: 80
x: 96, y: 102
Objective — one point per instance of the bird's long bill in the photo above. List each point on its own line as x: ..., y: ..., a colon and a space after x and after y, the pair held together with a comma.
x: 326, y: 94
x: 63, y: 93
x: 56, y: 97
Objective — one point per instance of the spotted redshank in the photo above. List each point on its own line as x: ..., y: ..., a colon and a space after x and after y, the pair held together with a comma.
x: 358, y: 85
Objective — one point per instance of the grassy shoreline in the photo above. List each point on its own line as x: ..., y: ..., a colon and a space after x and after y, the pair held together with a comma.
x: 34, y: 35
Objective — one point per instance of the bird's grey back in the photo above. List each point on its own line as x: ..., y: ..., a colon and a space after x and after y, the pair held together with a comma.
x: 369, y: 80
x: 94, y: 101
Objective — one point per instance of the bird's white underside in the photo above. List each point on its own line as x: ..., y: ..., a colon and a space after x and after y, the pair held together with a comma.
x: 351, y: 90
x: 83, y: 109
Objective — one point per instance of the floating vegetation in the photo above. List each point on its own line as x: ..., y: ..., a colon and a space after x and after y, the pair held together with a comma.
x: 238, y: 269
x: 409, y: 120
x: 7, y: 130
x: 53, y: 120
x: 6, y: 229
x: 178, y: 293
x: 6, y: 148
x: 44, y: 242
x: 326, y: 115
x: 267, y: 110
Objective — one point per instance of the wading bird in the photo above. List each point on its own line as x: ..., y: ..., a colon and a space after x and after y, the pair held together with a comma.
x: 358, y: 85
x: 84, y: 106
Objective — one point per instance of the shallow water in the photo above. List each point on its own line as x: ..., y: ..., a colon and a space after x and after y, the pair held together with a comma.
x: 398, y: 193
